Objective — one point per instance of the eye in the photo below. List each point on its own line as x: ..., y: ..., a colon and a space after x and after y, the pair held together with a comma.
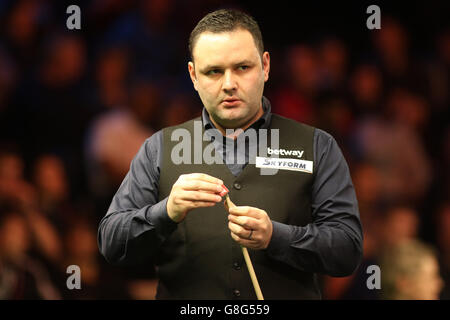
x: 213, y: 72
x: 242, y: 68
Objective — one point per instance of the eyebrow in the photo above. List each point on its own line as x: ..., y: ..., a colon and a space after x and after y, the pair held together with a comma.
x: 212, y: 67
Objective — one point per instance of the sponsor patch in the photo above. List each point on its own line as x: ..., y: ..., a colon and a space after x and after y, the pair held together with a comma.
x: 284, y: 152
x: 285, y: 164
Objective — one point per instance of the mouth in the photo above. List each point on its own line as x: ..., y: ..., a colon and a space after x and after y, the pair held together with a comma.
x: 231, y: 101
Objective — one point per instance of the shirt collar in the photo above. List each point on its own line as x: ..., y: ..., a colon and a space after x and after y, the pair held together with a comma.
x: 262, y: 123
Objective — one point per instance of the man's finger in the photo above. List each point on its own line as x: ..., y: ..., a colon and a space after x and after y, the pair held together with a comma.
x: 204, y: 177
x: 197, y: 204
x: 199, y: 196
x: 245, y: 242
x: 245, y: 211
x: 244, y: 221
x: 202, y: 185
x: 239, y: 230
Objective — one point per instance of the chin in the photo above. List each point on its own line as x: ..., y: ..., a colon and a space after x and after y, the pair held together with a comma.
x: 233, y: 115
x: 232, y: 123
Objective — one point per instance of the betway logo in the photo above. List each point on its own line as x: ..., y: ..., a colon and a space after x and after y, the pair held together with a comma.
x: 284, y: 152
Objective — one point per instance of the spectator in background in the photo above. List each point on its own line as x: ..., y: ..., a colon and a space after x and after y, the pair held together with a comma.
x: 64, y: 61
x: 438, y: 98
x: 334, y: 115
x: 23, y: 30
x: 438, y: 77
x: 111, y: 74
x: 442, y: 223
x: 408, y: 109
x: 368, y: 189
x: 52, y: 189
x: 8, y: 78
x: 127, y: 113
x: 354, y: 287
x: 385, y: 229
x: 180, y: 109
x: 21, y: 276
x: 296, y: 99
x: 97, y: 281
x: 391, y: 142
x: 11, y: 174
x: 332, y: 110
x: 333, y: 62
x: 51, y: 181
x: 399, y: 224
x: 444, y: 165
x: 150, y: 33
x: 146, y: 103
x: 41, y: 235
x: 410, y: 271
x: 55, y: 104
x: 115, y: 137
x: 22, y: 196
x: 10, y: 127
x: 382, y: 230
x: 392, y: 49
x: 366, y: 90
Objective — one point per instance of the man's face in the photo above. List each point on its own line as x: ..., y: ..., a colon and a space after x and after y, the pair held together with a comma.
x: 229, y: 76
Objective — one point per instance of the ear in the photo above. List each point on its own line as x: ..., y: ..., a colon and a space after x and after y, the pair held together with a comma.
x: 191, y: 69
x: 266, y: 65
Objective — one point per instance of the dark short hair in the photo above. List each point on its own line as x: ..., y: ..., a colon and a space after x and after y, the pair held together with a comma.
x: 225, y: 20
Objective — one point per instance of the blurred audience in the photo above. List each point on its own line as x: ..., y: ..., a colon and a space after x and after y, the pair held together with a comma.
x: 442, y: 222
x: 50, y: 179
x: 296, y: 98
x: 111, y: 75
x: 410, y: 271
x: 333, y: 64
x: 179, y: 109
x: 21, y: 276
x: 400, y: 223
x: 392, y: 142
x: 394, y: 56
x: 384, y: 229
x: 97, y: 280
x: 115, y: 137
x: 366, y: 90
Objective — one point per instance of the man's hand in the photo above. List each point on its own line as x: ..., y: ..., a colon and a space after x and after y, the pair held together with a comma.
x: 250, y: 227
x: 192, y: 191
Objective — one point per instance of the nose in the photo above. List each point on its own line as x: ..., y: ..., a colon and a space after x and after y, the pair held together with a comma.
x: 229, y: 82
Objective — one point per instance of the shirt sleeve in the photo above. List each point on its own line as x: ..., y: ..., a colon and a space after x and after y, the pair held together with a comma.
x: 136, y: 223
x: 332, y: 243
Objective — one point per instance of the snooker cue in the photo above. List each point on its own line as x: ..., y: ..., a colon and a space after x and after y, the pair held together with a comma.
x: 248, y: 261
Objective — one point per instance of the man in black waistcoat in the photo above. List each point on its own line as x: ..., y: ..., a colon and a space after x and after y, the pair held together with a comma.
x: 296, y: 211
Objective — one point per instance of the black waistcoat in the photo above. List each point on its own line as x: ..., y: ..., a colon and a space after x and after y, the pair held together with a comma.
x: 200, y: 260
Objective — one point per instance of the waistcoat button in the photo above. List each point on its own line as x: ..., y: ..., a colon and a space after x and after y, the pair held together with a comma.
x: 236, y: 266
x: 237, y: 186
x: 236, y: 293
